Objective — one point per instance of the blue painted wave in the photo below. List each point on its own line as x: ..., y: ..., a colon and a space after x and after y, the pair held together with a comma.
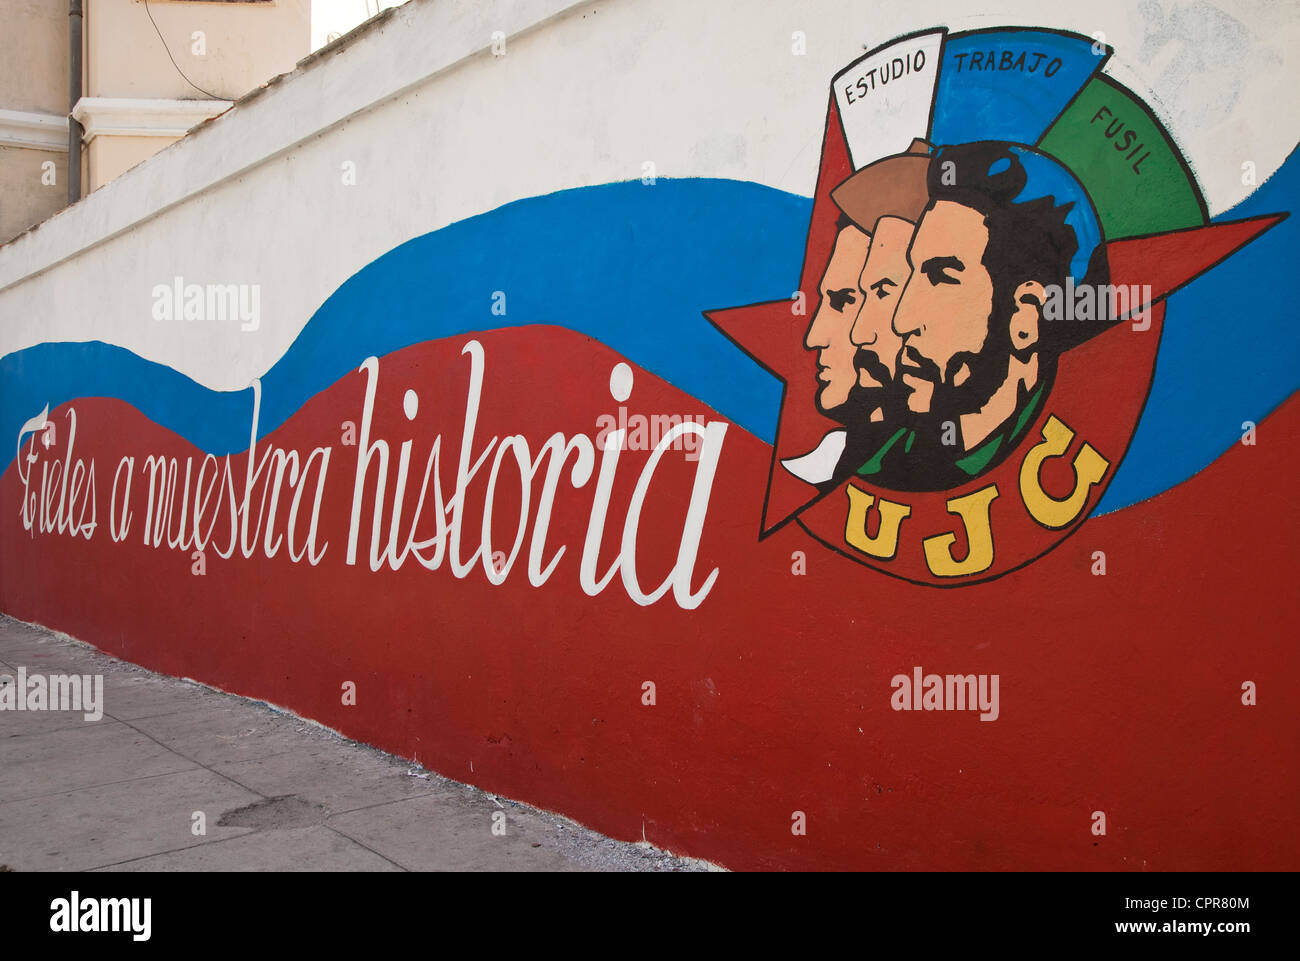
x: 630, y: 265
x: 633, y: 266
x: 1230, y: 353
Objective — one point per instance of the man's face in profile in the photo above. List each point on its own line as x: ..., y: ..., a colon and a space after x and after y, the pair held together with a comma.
x: 841, y: 298
x: 952, y: 358
x: 883, y: 279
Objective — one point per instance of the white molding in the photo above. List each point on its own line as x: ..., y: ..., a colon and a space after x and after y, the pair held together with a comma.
x: 35, y: 131
x: 127, y: 117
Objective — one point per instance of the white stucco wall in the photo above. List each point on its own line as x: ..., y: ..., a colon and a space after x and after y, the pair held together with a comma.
x: 439, y: 129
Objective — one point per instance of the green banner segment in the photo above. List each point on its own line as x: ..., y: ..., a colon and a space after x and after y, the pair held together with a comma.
x: 1126, y: 161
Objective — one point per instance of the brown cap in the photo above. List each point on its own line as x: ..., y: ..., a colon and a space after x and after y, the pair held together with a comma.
x: 890, y: 187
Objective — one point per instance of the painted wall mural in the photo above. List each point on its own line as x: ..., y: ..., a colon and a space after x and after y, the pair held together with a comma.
x: 975, y: 300
x: 639, y: 501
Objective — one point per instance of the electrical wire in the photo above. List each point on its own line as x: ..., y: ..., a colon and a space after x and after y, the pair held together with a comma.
x: 173, y: 59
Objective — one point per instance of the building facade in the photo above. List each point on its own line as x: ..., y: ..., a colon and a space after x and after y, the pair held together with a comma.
x: 150, y: 72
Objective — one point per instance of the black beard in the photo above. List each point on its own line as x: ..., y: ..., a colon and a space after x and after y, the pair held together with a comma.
x: 862, y: 401
x: 862, y: 435
x: 989, y: 368
x: 855, y: 413
x: 866, y: 360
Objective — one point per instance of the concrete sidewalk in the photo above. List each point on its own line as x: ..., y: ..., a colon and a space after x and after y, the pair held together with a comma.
x: 277, y: 793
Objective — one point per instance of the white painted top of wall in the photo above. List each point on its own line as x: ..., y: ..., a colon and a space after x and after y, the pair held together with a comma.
x: 439, y: 130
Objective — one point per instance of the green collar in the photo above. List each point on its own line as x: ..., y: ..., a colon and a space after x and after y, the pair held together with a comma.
x: 976, y: 460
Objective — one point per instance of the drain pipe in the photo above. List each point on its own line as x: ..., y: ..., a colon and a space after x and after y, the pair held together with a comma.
x: 74, y: 94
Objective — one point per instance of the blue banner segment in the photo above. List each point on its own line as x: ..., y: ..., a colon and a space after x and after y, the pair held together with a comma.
x: 1009, y: 84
